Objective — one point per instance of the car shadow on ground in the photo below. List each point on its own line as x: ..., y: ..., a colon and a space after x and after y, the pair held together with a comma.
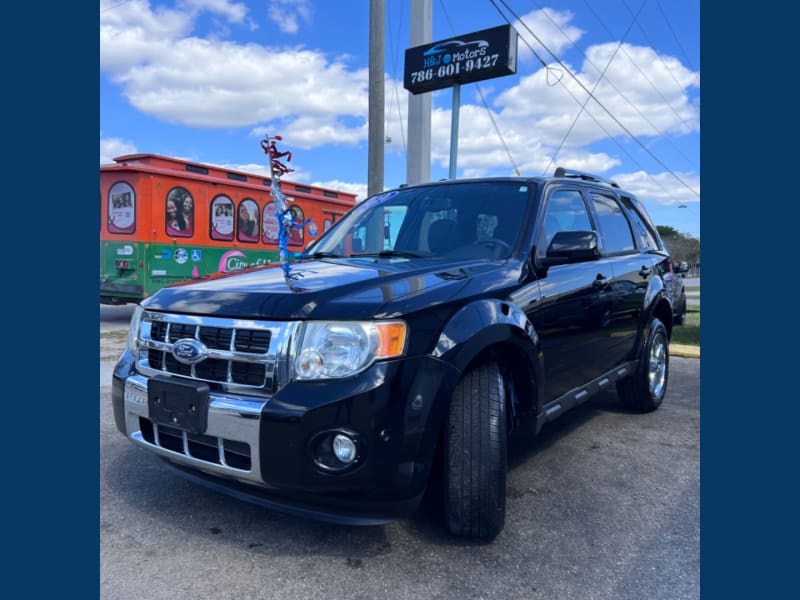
x: 429, y: 521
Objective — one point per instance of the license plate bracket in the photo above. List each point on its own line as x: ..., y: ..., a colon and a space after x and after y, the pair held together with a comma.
x: 177, y: 403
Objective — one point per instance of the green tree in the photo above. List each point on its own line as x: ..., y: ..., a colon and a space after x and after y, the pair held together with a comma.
x: 681, y: 246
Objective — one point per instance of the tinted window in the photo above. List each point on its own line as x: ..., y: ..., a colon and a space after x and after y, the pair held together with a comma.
x: 566, y: 211
x: 458, y: 220
x: 615, y: 231
x: 646, y: 238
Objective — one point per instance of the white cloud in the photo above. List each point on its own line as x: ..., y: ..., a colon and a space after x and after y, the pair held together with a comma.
x: 359, y: 189
x: 297, y: 175
x: 662, y: 188
x: 234, y: 12
x: 313, y: 131
x: 254, y: 168
x: 288, y: 13
x: 198, y: 82
x: 133, y: 34
x: 113, y: 147
x: 647, y: 93
x: 205, y: 84
x: 551, y: 27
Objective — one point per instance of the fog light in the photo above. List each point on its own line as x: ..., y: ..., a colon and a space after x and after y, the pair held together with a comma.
x: 337, y: 450
x: 344, y: 448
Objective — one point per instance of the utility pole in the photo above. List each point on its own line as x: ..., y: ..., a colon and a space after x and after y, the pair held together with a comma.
x: 418, y: 159
x: 376, y: 135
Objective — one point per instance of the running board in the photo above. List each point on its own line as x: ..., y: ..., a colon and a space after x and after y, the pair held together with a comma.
x: 579, y: 395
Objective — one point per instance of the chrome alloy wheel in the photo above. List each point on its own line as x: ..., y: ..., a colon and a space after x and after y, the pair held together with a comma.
x: 657, y: 365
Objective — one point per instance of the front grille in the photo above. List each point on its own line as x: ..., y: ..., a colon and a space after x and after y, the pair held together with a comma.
x: 210, y: 449
x: 239, y: 353
x: 219, y: 338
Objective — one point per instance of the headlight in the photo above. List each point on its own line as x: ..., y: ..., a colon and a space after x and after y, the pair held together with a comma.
x: 133, y: 331
x: 332, y: 349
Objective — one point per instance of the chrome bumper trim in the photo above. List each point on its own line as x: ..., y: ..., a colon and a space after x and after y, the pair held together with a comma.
x: 229, y: 417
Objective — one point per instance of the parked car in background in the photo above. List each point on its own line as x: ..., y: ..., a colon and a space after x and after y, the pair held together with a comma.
x: 675, y: 283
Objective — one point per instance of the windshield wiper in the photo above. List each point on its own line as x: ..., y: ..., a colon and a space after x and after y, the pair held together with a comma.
x: 393, y: 254
x: 321, y: 255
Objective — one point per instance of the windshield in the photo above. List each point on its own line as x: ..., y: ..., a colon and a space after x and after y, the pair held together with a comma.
x: 459, y: 220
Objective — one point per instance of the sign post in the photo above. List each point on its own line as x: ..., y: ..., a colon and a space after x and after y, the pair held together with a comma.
x: 454, y: 130
x: 455, y: 61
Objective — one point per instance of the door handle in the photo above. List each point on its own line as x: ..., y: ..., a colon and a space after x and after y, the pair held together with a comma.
x: 644, y: 272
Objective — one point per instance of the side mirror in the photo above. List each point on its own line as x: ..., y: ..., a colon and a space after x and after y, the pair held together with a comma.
x: 572, y: 246
x: 683, y: 267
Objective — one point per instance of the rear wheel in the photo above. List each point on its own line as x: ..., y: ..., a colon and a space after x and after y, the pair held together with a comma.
x: 645, y: 389
x: 475, y: 455
x: 680, y: 316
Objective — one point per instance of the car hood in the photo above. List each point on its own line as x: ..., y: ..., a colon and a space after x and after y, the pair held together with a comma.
x: 353, y: 288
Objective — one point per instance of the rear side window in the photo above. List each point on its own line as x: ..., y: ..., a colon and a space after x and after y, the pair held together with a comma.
x: 643, y: 233
x: 615, y: 231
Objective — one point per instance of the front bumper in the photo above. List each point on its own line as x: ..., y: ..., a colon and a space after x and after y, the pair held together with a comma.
x: 260, y: 449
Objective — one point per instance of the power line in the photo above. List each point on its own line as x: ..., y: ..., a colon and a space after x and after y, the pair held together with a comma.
x: 599, y: 79
x: 497, y: 129
x: 587, y: 111
x: 646, y: 37
x: 566, y: 89
x: 483, y: 99
x: 644, y: 75
x: 677, y: 41
x: 115, y: 5
x: 583, y: 87
x: 395, y: 52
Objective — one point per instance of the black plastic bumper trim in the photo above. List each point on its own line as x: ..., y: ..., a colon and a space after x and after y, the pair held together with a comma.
x: 253, y: 495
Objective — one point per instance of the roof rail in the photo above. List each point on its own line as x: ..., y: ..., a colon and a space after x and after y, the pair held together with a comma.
x: 562, y: 172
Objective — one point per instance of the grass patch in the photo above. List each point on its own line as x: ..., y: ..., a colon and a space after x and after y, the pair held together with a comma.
x: 689, y: 332
x: 112, y: 343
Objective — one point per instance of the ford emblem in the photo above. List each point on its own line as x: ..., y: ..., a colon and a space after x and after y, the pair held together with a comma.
x: 189, y: 351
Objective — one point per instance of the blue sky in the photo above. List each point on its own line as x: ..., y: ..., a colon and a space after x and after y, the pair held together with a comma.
x: 206, y: 79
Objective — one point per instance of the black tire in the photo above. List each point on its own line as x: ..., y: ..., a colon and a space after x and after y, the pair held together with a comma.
x: 645, y: 389
x: 680, y: 316
x: 475, y: 455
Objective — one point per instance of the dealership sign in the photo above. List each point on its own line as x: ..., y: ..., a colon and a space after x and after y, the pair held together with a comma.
x: 463, y: 59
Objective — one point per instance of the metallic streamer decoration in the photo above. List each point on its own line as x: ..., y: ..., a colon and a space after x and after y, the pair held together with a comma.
x: 283, y: 214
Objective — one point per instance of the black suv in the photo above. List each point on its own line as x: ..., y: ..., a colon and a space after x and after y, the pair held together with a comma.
x: 420, y: 330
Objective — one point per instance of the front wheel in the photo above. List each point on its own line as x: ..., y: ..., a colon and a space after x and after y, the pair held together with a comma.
x: 475, y: 455
x: 645, y: 389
